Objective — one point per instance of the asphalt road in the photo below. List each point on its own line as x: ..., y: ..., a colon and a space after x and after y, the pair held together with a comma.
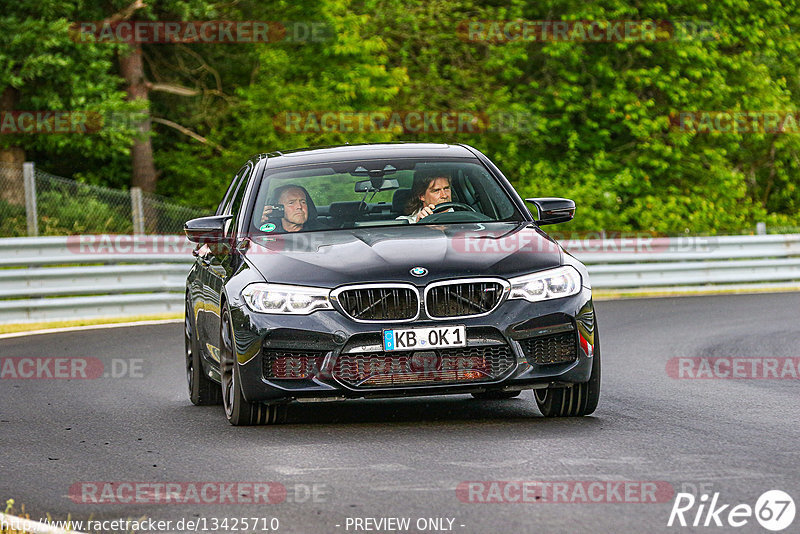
x: 406, y: 458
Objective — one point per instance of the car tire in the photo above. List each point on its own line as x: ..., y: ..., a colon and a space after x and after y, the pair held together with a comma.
x: 202, y: 390
x: 238, y: 410
x: 496, y: 395
x: 576, y: 401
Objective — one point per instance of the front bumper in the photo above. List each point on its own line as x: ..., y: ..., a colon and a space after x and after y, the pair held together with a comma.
x: 332, y: 337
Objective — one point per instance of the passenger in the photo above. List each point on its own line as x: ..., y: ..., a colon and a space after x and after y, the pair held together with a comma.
x: 296, y: 204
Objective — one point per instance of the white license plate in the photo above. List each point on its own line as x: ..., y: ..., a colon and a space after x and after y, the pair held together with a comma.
x: 425, y: 338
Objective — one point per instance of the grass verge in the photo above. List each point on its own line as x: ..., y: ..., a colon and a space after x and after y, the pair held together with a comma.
x: 28, y: 327
x: 13, y: 522
x: 600, y: 294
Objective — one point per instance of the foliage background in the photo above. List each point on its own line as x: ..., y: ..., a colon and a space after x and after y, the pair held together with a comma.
x: 597, y: 125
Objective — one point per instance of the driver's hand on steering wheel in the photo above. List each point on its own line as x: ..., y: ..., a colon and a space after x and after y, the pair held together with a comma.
x: 424, y: 212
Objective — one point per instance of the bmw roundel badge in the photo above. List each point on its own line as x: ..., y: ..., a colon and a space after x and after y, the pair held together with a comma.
x: 419, y: 271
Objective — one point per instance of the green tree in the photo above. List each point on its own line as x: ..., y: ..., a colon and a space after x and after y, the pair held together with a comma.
x: 597, y: 114
x: 43, y: 69
x: 594, y: 120
x: 343, y: 69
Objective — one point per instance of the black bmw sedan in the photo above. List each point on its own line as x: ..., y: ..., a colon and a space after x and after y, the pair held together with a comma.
x: 384, y: 270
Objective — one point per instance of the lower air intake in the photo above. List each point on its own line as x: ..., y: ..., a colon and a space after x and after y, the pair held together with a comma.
x: 433, y: 367
x: 291, y: 364
x: 555, y: 348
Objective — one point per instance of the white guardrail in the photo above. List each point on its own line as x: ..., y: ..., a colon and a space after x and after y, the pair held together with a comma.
x: 84, y: 277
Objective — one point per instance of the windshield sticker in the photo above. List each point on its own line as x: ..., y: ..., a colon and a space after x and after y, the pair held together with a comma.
x: 269, y: 227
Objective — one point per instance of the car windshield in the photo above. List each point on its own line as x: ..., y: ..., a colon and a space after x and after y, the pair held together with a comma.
x: 354, y: 194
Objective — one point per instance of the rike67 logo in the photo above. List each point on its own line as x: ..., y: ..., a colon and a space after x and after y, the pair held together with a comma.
x: 774, y: 510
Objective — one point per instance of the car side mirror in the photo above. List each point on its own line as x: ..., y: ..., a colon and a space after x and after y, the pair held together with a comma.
x: 553, y: 210
x: 207, y: 229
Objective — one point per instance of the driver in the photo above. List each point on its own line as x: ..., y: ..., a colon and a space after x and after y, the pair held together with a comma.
x: 428, y: 190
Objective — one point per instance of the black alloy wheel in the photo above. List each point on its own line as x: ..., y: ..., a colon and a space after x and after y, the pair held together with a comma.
x: 238, y: 410
x: 202, y: 390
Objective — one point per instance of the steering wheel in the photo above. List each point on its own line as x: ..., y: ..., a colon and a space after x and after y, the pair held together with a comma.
x: 444, y: 206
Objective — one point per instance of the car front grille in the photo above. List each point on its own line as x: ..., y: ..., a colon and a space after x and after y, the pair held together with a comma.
x: 291, y: 364
x: 379, y: 303
x: 463, y: 299
x: 554, y: 348
x: 434, y: 367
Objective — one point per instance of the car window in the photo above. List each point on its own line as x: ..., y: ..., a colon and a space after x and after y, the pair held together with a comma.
x: 224, y: 207
x: 335, y: 187
x: 236, y: 199
x: 340, y: 195
x: 224, y: 202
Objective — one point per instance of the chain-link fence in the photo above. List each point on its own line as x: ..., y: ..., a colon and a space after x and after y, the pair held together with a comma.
x: 164, y: 217
x: 12, y: 201
x: 66, y: 207
x: 69, y: 207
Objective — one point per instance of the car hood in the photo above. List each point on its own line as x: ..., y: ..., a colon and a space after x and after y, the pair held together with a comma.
x: 387, y: 254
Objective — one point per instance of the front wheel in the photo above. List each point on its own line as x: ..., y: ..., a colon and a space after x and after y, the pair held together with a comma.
x: 575, y: 401
x: 238, y: 411
x: 202, y: 390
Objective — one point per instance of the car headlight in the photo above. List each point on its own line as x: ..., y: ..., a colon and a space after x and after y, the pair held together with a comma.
x: 286, y: 299
x: 552, y: 284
